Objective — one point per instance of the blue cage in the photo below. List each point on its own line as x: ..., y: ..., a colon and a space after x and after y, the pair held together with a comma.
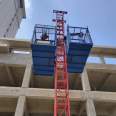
x: 79, y: 44
x: 43, y: 49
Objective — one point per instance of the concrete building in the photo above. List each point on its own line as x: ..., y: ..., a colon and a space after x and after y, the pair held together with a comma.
x: 92, y: 93
x: 11, y: 14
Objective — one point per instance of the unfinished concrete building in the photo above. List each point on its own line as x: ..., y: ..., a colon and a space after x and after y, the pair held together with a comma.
x: 92, y: 93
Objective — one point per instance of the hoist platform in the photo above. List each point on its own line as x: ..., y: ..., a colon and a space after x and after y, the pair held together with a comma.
x: 43, y: 49
x: 79, y: 44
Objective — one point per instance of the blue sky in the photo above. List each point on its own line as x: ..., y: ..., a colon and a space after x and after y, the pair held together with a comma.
x: 98, y: 15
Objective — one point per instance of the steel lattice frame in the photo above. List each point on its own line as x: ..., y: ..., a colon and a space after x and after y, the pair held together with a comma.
x: 61, y: 100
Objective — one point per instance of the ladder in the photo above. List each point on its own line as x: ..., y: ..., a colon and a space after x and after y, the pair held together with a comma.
x: 61, y: 99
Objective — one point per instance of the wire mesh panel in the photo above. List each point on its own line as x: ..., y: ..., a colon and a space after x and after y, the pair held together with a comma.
x: 44, y: 33
x: 79, y: 35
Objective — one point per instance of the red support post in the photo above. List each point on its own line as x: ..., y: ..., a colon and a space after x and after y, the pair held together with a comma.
x: 61, y: 100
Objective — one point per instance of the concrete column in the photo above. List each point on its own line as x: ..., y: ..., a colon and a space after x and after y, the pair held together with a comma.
x: 85, y: 81
x: 27, y: 76
x: 20, y: 109
x: 90, y: 108
x: 102, y: 60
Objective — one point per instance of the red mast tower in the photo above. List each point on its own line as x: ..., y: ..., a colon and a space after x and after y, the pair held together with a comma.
x: 61, y: 100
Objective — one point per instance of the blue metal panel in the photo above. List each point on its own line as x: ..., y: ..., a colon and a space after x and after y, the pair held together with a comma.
x: 43, y: 54
x: 80, y: 46
x: 40, y: 61
x: 78, y: 53
x: 43, y: 60
x: 44, y: 73
x: 77, y: 59
x: 44, y: 68
x: 43, y: 48
x: 76, y: 66
x: 71, y: 70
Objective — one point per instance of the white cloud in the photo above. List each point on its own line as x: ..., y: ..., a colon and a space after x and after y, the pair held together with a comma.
x: 27, y: 4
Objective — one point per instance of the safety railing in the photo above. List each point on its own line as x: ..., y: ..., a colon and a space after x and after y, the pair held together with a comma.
x: 78, y: 35
x: 44, y: 33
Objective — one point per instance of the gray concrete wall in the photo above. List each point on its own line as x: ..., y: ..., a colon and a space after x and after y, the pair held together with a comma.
x: 10, y: 17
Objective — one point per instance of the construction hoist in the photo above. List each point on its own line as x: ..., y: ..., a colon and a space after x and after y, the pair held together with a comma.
x: 61, y: 100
